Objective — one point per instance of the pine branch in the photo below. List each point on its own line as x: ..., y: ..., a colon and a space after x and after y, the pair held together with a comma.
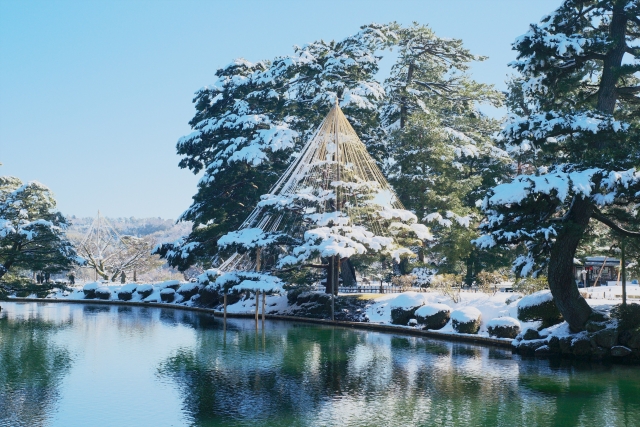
x: 597, y: 214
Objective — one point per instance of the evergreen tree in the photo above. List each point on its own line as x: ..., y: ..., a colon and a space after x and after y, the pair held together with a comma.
x: 31, y: 230
x: 441, y: 153
x: 252, y: 120
x: 579, y: 70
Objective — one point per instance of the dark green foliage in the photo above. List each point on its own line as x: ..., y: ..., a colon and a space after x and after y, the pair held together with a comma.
x: 103, y: 293
x: 546, y: 312
x: 401, y: 315
x: 471, y: 327
x: 503, y: 331
x: 628, y: 316
x: 34, y: 238
x: 435, y: 321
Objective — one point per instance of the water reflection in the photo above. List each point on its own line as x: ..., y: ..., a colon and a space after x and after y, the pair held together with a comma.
x: 31, y: 366
x: 310, y: 375
x: 63, y: 365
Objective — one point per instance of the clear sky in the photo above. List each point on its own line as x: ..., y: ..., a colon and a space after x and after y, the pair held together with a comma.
x: 95, y: 94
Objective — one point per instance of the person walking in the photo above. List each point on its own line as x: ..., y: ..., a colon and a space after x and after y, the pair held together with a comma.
x: 47, y: 276
x: 123, y: 277
x: 72, y: 278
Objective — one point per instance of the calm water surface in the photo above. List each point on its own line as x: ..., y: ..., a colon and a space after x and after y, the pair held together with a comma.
x: 92, y: 365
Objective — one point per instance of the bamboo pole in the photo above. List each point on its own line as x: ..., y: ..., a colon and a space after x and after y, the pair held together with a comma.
x: 600, y: 272
x: 264, y: 304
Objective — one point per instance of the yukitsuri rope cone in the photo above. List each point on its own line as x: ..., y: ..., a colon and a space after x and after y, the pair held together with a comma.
x: 331, y: 203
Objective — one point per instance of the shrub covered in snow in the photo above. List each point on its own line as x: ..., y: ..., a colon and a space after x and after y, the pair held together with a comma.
x: 187, y: 290
x: 423, y: 275
x: 90, y: 289
x: 503, y: 327
x: 433, y: 315
x: 539, y: 306
x: 404, y: 306
x: 466, y: 320
x: 144, y: 290
x: 173, y: 284
x: 103, y: 292
x: 126, y: 292
x: 167, y: 294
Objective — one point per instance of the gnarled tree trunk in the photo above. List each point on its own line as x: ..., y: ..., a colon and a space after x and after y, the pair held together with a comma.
x: 562, y: 284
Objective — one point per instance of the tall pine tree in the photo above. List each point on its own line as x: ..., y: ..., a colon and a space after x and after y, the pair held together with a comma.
x: 579, y: 69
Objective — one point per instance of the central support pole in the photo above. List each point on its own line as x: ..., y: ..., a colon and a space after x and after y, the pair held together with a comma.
x: 623, y: 267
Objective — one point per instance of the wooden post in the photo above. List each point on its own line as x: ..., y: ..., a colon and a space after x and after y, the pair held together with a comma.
x: 258, y: 258
x: 257, y: 305
x: 225, y: 308
x: 624, y: 273
x: 264, y: 304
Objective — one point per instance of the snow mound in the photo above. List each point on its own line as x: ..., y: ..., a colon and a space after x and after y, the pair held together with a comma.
x: 144, y: 288
x: 503, y: 322
x: 167, y: 291
x: 408, y: 300
x: 466, y: 314
x: 535, y: 299
x: 169, y: 283
x: 429, y: 309
x: 91, y: 286
x: 188, y: 287
x: 129, y: 287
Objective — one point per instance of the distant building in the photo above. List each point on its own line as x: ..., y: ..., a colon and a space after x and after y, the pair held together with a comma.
x: 589, y: 272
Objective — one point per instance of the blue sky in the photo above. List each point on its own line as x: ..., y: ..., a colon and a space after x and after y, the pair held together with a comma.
x: 95, y: 94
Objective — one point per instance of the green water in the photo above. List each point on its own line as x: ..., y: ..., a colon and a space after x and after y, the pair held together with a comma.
x: 87, y: 365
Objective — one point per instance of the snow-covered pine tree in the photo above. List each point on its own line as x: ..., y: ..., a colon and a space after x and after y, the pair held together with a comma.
x: 32, y: 232
x: 332, y: 204
x: 580, y: 69
x: 255, y: 116
x: 442, y: 157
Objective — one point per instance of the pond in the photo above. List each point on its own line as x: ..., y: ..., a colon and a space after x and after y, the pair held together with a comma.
x: 105, y: 365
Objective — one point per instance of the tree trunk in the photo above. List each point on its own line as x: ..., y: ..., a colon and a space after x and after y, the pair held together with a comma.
x: 348, y: 273
x: 573, y: 307
x: 571, y: 304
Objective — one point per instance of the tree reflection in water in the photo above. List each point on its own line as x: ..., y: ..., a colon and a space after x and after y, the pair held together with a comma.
x: 31, y: 368
x: 316, y: 375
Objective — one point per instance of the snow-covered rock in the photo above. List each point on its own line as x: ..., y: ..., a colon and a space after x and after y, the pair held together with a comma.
x: 466, y: 320
x: 433, y: 315
x: 503, y: 327
x: 187, y: 290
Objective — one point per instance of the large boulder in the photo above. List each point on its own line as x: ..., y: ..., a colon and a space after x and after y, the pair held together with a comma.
x: 503, y: 327
x: 144, y: 290
x: 433, y: 315
x: 466, y: 320
x: 167, y: 294
x: 539, y: 306
x: 90, y: 289
x: 126, y: 292
x: 103, y: 293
